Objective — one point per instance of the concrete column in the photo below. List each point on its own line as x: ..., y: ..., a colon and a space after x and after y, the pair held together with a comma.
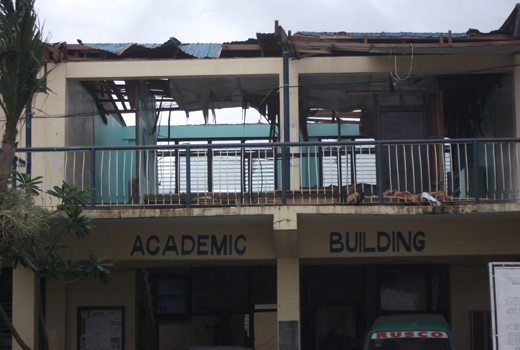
x: 288, y: 278
x: 516, y: 85
x: 294, y: 121
x: 516, y: 95
x: 294, y: 125
x: 294, y: 91
x: 49, y: 131
x: 25, y: 317
x: 288, y: 286
x: 56, y: 320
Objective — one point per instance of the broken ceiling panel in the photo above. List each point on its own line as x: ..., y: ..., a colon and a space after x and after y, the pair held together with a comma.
x: 345, y: 93
x: 224, y: 92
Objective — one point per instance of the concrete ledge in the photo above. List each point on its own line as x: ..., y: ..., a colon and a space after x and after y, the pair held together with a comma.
x: 255, y: 212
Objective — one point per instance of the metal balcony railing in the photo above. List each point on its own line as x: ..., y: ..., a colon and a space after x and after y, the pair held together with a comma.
x: 436, y: 172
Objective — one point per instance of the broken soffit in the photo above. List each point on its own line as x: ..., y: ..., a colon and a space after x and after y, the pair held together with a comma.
x: 344, y: 93
x: 205, y: 94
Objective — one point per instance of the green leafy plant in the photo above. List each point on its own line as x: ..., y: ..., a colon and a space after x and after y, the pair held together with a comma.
x: 70, y: 195
x: 27, y: 184
x: 33, y: 237
x: 22, y: 56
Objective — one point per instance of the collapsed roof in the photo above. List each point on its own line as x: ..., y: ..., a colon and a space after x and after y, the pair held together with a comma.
x: 261, y: 93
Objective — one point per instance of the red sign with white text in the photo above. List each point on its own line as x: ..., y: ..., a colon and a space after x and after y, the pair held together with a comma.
x: 409, y: 334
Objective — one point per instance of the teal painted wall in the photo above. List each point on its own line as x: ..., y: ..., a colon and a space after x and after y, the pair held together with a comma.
x: 113, y: 167
x: 116, y: 135
x: 249, y: 131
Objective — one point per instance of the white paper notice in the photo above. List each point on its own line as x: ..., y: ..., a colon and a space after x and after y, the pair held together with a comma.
x: 103, y: 330
x: 507, y: 284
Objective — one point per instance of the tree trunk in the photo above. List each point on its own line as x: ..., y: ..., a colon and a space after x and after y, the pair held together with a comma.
x: 7, y: 154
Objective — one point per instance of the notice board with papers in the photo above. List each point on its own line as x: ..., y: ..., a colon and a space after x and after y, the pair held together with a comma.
x: 101, y: 328
x: 505, y: 305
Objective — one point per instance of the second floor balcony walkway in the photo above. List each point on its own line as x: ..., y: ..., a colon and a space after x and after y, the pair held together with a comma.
x: 426, y: 172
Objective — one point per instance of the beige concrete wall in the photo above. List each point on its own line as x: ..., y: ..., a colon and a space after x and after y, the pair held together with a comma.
x: 172, y: 239
x: 91, y: 293
x: 469, y: 292
x: 429, y: 65
x: 25, y: 317
x: 451, y: 239
x: 52, y: 106
x: 150, y: 69
x: 48, y: 129
x: 427, y: 236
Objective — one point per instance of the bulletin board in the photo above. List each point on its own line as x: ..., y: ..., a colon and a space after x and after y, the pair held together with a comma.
x: 101, y: 328
x: 505, y: 305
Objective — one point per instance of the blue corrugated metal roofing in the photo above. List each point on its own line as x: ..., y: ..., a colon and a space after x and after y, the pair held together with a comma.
x: 202, y: 50
x: 386, y: 34
x: 212, y: 50
x: 196, y: 50
x: 118, y: 49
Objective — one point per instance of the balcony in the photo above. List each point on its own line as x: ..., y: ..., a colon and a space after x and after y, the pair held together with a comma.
x: 363, y: 173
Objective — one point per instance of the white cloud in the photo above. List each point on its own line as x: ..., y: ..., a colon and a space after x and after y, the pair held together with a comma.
x: 155, y: 21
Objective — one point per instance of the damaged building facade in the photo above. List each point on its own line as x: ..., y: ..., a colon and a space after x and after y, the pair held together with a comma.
x: 382, y: 179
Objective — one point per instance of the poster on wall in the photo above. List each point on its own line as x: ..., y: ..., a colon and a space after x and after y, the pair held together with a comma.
x: 505, y: 305
x: 101, y: 328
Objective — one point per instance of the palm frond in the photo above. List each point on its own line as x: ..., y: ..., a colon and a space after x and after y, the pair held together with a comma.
x: 22, y: 55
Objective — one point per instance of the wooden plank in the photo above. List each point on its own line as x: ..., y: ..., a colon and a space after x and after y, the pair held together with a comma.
x: 328, y: 121
x: 76, y: 58
x: 117, y: 91
x: 314, y: 52
x: 328, y: 113
x: 328, y: 47
x: 242, y: 47
x: 337, y: 37
x: 120, y: 118
x: 311, y: 47
x: 454, y: 44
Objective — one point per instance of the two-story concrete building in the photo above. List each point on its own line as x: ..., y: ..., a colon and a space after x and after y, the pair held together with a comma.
x: 383, y: 179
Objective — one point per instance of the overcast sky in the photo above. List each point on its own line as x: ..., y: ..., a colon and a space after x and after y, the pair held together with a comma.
x: 218, y: 21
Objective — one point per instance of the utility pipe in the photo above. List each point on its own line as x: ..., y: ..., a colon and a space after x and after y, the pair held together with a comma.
x: 286, y: 126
